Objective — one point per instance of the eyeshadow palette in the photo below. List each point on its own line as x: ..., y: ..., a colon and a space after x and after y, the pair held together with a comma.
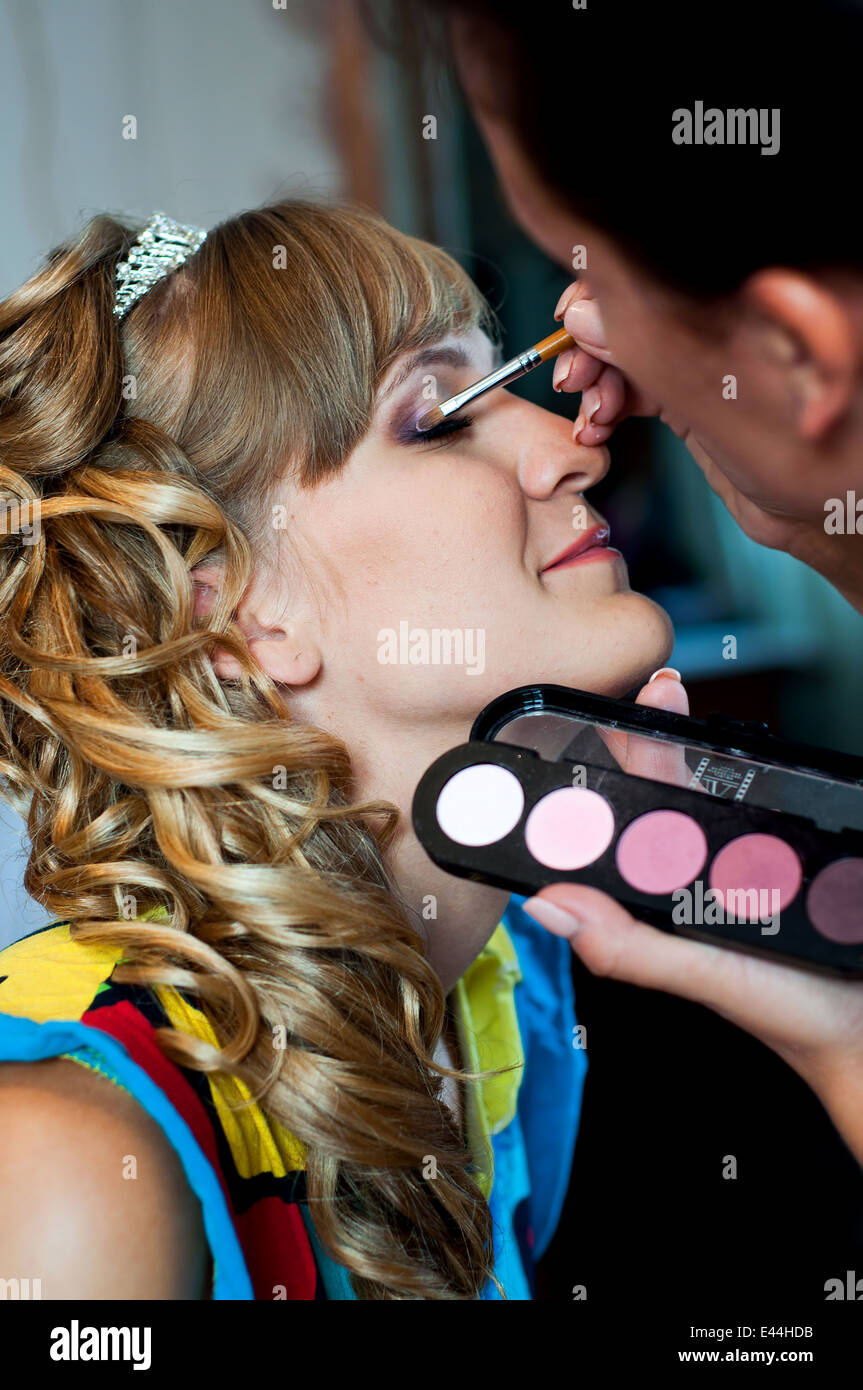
x: 712, y: 828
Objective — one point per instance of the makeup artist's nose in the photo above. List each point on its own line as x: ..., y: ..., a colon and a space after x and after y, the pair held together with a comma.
x: 549, y: 461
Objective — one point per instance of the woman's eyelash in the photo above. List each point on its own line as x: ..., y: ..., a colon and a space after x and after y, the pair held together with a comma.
x: 451, y: 425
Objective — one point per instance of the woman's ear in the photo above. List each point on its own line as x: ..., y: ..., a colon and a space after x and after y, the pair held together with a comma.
x: 811, y: 339
x: 206, y: 581
x: 286, y: 651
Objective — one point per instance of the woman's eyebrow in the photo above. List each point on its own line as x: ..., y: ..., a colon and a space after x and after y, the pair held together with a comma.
x: 428, y: 357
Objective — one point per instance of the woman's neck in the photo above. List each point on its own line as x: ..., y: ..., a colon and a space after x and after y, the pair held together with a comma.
x: 455, y: 916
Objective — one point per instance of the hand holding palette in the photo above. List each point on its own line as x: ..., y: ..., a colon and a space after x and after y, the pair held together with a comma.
x: 711, y: 828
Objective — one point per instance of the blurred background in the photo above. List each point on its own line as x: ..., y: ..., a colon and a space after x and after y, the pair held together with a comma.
x: 242, y: 102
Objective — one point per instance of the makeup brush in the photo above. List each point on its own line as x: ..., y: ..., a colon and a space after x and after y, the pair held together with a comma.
x: 502, y: 376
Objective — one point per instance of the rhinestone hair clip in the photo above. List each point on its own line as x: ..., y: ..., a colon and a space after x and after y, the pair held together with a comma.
x: 163, y: 246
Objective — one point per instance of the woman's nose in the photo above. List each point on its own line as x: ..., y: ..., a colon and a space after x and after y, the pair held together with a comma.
x: 550, y: 462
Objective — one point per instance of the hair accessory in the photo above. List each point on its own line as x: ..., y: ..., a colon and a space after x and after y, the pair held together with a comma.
x: 163, y: 246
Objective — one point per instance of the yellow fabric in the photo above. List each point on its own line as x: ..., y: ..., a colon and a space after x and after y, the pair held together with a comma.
x: 258, y: 1144
x: 490, y: 1037
x: 52, y: 976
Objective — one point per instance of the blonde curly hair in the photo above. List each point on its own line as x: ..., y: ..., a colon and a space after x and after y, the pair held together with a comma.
x: 145, y: 448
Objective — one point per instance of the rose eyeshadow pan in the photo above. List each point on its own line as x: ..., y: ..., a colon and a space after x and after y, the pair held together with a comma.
x: 760, y: 863
x: 661, y: 851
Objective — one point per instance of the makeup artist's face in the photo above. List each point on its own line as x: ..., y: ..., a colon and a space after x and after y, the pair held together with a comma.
x: 786, y: 342
x: 428, y: 566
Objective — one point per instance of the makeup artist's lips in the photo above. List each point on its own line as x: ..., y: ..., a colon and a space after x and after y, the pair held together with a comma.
x: 593, y: 545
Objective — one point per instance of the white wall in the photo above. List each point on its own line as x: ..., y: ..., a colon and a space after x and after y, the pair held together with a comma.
x: 227, y: 96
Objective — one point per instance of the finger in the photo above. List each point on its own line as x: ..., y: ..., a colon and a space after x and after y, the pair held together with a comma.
x: 644, y: 756
x: 603, y: 405
x: 590, y: 435
x: 576, y: 369
x: 583, y: 322
x: 654, y: 757
x: 571, y: 292
x: 577, y: 289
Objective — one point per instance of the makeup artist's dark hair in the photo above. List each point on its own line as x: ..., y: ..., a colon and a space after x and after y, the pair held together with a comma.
x: 144, y: 449
x: 592, y: 90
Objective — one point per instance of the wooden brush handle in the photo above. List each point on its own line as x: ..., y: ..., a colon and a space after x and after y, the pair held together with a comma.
x: 555, y: 343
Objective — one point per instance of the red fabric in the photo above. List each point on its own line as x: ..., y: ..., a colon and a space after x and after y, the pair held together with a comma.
x: 271, y: 1231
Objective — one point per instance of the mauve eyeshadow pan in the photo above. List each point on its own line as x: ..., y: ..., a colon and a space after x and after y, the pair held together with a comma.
x: 835, y: 901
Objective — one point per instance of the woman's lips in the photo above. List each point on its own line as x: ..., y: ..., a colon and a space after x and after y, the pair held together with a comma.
x: 593, y: 545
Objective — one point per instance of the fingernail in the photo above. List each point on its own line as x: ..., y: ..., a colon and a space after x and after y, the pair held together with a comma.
x: 665, y: 671
x: 582, y: 322
x: 552, y: 917
x: 564, y: 300
x: 562, y: 366
x: 591, y: 400
x: 579, y: 425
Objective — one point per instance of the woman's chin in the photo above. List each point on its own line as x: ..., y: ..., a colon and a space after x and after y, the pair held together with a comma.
x: 638, y: 640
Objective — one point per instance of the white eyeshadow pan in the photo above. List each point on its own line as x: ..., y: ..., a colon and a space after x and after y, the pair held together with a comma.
x: 480, y: 804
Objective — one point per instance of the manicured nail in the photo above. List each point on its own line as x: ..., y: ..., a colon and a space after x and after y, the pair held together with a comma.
x: 564, y: 300
x: 665, y: 671
x: 591, y: 400
x: 561, y: 368
x: 579, y: 425
x: 551, y: 916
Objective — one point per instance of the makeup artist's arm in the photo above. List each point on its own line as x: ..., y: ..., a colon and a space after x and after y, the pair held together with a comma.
x: 814, y: 1023
x: 609, y: 397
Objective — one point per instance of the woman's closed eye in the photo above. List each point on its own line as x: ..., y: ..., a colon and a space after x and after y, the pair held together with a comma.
x: 409, y: 434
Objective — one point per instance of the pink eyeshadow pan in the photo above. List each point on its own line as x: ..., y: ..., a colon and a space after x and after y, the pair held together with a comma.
x: 835, y: 901
x: 661, y: 851
x: 569, y: 828
x: 760, y: 862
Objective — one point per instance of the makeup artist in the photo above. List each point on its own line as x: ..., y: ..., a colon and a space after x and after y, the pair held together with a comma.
x: 721, y: 289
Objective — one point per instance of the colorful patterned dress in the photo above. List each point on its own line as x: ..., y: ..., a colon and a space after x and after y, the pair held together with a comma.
x: 513, y: 1003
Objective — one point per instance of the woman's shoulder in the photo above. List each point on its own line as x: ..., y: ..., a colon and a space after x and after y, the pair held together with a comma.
x: 59, y: 998
x: 80, y: 1162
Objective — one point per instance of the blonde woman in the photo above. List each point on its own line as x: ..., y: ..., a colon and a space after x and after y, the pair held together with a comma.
x: 338, y: 1072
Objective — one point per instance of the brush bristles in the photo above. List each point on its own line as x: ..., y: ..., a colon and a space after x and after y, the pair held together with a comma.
x: 430, y: 419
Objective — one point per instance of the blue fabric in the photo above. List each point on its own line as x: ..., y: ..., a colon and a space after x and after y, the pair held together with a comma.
x: 511, y: 1187
x: 550, y: 1096
x: 25, y: 1040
